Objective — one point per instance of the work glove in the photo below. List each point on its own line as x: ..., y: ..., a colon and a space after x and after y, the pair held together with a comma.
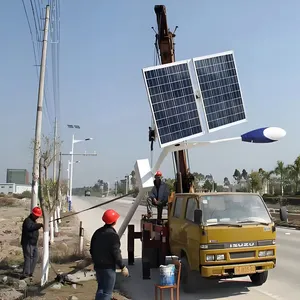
x: 125, y: 272
x: 154, y: 201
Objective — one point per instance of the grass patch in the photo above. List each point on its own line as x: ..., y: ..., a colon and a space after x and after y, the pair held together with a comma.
x: 8, y: 202
x: 9, y: 261
x: 64, y: 252
x: 65, y: 259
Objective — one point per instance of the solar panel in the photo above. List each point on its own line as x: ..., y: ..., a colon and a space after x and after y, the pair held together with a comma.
x: 173, y: 102
x: 220, y: 90
x: 73, y: 126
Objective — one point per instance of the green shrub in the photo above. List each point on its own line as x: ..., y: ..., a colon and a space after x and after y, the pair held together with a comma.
x: 17, y: 196
x: 267, y: 195
x: 26, y: 194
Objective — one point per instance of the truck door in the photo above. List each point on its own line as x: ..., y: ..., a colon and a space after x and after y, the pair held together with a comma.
x: 175, y: 221
x: 191, y: 233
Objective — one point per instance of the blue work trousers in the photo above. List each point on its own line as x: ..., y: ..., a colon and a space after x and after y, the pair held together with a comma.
x: 106, y: 279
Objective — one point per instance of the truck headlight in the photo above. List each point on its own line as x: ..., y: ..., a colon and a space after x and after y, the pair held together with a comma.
x: 220, y: 257
x: 210, y: 257
x: 266, y: 253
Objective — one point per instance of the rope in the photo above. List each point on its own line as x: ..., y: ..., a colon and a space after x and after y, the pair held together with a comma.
x: 95, y: 206
x: 188, y: 158
x: 151, y: 131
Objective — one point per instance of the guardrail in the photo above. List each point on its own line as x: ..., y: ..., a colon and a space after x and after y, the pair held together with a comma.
x: 277, y: 210
x: 274, y: 210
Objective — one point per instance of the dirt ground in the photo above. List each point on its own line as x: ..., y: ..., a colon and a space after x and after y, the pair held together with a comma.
x: 63, y: 255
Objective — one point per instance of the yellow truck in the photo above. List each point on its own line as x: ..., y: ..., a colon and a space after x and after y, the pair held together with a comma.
x: 222, y: 235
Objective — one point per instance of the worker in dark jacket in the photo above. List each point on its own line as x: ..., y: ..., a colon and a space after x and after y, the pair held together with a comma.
x: 106, y: 255
x: 29, y: 240
x: 158, y: 196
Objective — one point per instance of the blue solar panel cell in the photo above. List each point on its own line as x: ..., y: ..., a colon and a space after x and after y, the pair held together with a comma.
x: 220, y: 89
x: 173, y: 102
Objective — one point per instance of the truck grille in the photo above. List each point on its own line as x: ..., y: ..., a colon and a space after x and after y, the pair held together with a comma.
x: 236, y: 255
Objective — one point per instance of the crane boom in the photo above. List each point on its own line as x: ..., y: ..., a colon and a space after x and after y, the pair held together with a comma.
x: 165, y: 43
x: 164, y: 37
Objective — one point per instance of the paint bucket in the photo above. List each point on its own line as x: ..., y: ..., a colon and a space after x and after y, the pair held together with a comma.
x: 167, y: 275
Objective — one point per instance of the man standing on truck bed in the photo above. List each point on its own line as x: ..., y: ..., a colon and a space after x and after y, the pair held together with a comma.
x: 29, y: 240
x: 159, y: 196
x: 106, y: 254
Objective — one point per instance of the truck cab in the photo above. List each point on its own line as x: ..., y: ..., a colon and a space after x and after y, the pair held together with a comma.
x: 221, y: 235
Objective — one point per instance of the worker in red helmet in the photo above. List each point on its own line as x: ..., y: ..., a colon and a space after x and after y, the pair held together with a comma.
x: 158, y: 196
x: 29, y: 240
x: 106, y: 255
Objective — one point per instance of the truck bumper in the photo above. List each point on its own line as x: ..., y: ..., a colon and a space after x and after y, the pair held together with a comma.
x: 236, y: 269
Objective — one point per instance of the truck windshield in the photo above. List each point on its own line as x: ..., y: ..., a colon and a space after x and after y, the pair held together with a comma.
x: 234, y: 209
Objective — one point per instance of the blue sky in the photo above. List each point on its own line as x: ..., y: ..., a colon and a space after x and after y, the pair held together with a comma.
x: 103, y: 47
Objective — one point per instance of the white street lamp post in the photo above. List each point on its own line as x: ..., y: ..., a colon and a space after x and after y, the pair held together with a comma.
x: 71, y: 166
x: 68, y: 170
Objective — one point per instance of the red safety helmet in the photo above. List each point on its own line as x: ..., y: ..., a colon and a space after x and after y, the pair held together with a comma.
x: 36, y: 211
x: 110, y: 216
x: 158, y: 173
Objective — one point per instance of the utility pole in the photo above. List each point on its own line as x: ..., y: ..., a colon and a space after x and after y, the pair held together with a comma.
x: 39, y: 114
x: 55, y: 151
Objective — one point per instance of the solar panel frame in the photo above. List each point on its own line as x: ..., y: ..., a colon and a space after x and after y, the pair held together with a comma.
x: 194, y: 60
x: 188, y: 63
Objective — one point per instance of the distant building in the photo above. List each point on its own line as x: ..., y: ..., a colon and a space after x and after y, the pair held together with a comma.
x: 17, y: 176
x: 7, y: 188
x: 12, y: 188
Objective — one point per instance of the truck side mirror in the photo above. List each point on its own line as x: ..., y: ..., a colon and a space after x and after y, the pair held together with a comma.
x: 198, y: 216
x: 283, y: 214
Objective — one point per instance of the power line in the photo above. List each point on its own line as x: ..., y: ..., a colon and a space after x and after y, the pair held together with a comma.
x: 35, y: 25
x: 55, y: 53
x: 32, y: 40
x: 35, y: 28
x: 34, y: 53
x: 36, y: 9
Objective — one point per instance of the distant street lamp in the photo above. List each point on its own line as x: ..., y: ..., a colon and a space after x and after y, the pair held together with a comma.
x: 68, y: 170
x: 116, y: 186
x: 72, y: 162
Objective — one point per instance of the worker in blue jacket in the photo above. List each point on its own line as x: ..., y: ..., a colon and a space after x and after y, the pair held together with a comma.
x: 158, y: 196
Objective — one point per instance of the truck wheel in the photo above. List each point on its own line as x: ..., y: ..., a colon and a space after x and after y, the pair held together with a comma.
x: 188, y: 277
x: 259, y: 278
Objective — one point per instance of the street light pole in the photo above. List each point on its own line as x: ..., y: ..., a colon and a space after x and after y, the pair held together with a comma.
x: 68, y: 170
x: 116, y: 187
x: 68, y: 188
x: 71, y: 167
x: 71, y: 172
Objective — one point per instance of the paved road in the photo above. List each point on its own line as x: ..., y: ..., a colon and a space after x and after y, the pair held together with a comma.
x: 283, y: 282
